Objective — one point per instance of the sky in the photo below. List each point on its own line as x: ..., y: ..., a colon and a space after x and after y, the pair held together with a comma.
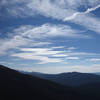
x: 50, y: 36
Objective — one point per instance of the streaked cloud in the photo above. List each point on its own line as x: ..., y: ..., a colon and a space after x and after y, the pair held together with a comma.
x: 81, y: 13
x: 47, y: 8
x: 50, y: 55
x: 63, y: 10
x: 72, y: 58
x: 41, y: 51
x: 28, y: 35
x: 50, y: 30
x: 42, y: 59
x: 94, y: 59
x: 60, y: 55
x: 86, y: 20
x: 44, y: 55
x: 67, y: 68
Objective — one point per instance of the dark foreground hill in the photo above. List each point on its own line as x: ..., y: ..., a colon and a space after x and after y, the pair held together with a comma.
x: 17, y: 86
x: 91, y: 90
x: 73, y: 79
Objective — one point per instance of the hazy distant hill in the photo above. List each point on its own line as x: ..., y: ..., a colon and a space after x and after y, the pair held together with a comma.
x: 86, y: 84
x: 73, y: 79
x: 17, y: 86
x: 98, y: 73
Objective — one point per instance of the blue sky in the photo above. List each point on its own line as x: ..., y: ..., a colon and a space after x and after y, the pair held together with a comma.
x: 50, y: 36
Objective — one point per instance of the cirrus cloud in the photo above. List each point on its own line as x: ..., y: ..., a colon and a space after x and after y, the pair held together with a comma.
x: 64, y: 10
x: 28, y: 34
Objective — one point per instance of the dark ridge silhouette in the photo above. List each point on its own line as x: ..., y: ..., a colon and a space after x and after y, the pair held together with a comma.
x: 73, y: 79
x: 90, y: 90
x: 17, y: 86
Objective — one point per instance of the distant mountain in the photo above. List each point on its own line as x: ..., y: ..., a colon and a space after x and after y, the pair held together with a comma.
x: 97, y: 73
x: 73, y: 79
x: 17, y: 86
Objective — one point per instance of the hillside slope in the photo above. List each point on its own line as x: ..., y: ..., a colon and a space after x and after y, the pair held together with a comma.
x: 17, y: 86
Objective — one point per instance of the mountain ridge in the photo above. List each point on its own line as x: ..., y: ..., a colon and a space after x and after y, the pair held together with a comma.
x: 18, y: 86
x: 72, y: 79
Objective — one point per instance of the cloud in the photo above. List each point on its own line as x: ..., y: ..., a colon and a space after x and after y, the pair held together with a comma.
x: 92, y: 9
x: 84, y: 19
x: 72, y: 17
x: 38, y: 42
x: 13, y: 43
x: 28, y: 41
x: 89, y: 22
x: 70, y: 49
x: 75, y: 53
x: 72, y: 58
x: 59, y: 47
x: 2, y: 62
x: 65, y: 10
x: 18, y: 41
x: 41, y: 43
x: 44, y: 55
x: 55, y: 9
x: 42, y: 59
x: 50, y: 55
x: 62, y: 69
x: 51, y: 30
x: 26, y: 8
x: 34, y: 35
x: 41, y: 51
x: 94, y: 60
x: 81, y: 13
x: 60, y: 55
x: 6, y: 63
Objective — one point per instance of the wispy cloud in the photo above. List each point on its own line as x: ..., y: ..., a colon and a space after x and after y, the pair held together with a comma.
x: 92, y: 9
x: 60, y: 55
x: 81, y: 13
x: 72, y: 53
x: 72, y: 58
x: 50, y: 55
x: 65, y: 10
x: 94, y: 60
x: 58, y: 47
x: 32, y: 35
x: 67, y: 68
x: 43, y: 55
x: 6, y: 63
x: 42, y: 59
x: 84, y: 19
x: 12, y: 43
x: 55, y: 9
x: 51, y: 30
